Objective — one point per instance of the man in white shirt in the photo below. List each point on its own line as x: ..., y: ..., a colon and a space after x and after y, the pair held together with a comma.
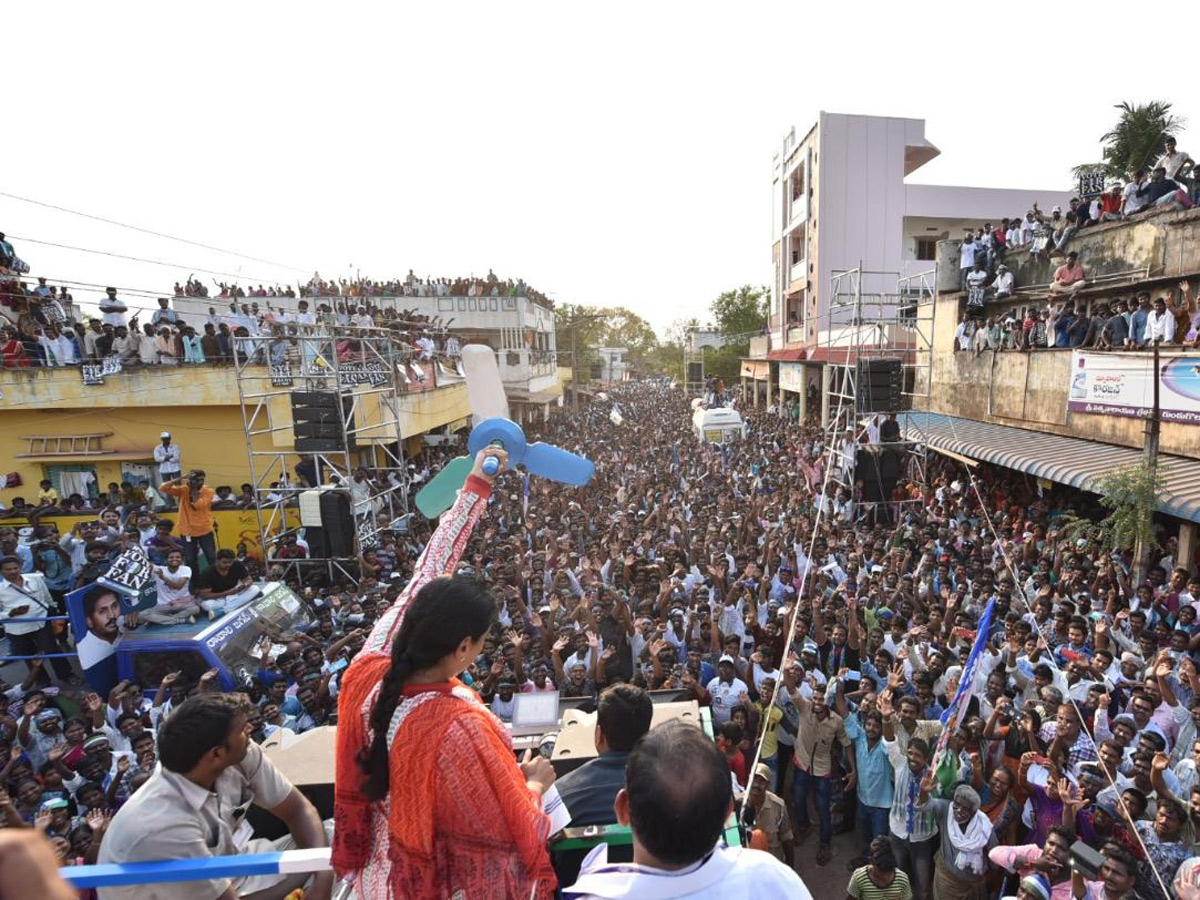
x: 147, y: 349
x: 726, y: 690
x: 168, y: 456
x: 306, y: 322
x: 676, y: 799
x: 59, y: 350
x: 1160, y: 324
x: 105, y: 626
x: 966, y: 254
x: 175, y: 603
x: 1005, y: 283
x: 963, y: 335
x: 27, y: 597
x: 1134, y: 199
x: 112, y: 308
x: 1176, y: 162
x: 1028, y: 227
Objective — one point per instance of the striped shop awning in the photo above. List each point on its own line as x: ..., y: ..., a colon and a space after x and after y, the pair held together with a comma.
x: 1067, y: 460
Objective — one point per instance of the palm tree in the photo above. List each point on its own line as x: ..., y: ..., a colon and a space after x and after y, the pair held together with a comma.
x: 1137, y: 139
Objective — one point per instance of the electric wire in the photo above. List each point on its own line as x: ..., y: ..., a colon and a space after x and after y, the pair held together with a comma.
x: 152, y: 262
x: 169, y: 237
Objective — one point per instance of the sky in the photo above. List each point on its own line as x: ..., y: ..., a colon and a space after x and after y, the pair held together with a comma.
x: 609, y: 154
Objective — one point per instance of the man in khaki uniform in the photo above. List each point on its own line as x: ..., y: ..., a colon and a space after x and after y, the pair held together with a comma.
x: 765, y: 812
x: 195, y: 806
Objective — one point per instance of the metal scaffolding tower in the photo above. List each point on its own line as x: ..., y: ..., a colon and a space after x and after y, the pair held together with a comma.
x: 876, y: 320
x: 322, y: 404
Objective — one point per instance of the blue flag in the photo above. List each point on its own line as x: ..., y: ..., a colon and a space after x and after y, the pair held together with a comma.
x: 958, y: 706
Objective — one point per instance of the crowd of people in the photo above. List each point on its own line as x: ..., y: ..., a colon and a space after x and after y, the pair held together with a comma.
x: 38, y: 333
x: 826, y: 642
x: 1168, y: 316
x: 1165, y: 318
x: 412, y: 286
x: 40, y: 327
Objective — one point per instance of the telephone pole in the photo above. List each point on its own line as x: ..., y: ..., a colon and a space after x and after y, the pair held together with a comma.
x: 1152, y: 427
x: 1152, y: 431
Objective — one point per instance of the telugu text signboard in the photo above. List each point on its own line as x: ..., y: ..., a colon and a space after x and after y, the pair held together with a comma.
x: 1118, y: 384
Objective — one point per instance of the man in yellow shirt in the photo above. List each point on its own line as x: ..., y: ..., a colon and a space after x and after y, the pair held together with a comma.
x: 47, y: 496
x: 195, y: 521
x: 769, y: 716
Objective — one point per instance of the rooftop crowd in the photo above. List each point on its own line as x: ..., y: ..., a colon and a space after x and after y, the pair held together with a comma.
x: 685, y: 568
x: 412, y: 286
x: 40, y: 327
x: 39, y: 334
x: 1137, y: 320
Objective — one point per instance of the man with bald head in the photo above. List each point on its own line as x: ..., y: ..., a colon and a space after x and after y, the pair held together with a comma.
x: 676, y: 800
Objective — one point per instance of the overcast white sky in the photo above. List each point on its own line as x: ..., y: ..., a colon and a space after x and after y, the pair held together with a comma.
x: 615, y: 153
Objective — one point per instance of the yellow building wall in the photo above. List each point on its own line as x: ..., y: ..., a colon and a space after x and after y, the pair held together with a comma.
x: 199, y: 406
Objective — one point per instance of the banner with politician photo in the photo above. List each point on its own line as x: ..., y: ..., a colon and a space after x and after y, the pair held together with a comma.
x: 101, y: 612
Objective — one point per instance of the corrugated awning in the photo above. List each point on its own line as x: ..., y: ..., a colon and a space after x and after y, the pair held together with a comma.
x: 794, y: 355
x: 1054, y: 457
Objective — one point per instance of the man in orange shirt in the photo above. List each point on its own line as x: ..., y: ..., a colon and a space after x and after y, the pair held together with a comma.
x: 1069, y: 277
x: 195, y: 521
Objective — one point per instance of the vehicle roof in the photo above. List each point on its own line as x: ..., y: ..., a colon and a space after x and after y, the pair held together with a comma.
x: 147, y: 633
x: 724, y: 415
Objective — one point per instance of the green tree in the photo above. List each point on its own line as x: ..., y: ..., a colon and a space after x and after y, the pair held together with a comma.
x: 742, y: 311
x: 604, y: 326
x: 1137, y: 139
x: 726, y: 362
x: 1131, y: 496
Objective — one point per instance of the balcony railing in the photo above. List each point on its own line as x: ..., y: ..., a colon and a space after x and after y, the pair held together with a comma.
x: 798, y: 211
x: 799, y: 271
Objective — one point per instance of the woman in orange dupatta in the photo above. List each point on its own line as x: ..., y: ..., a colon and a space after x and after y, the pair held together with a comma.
x: 430, y: 801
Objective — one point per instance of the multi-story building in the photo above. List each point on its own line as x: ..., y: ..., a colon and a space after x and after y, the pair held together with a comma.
x: 841, y: 200
x: 612, y: 365
x: 519, y: 329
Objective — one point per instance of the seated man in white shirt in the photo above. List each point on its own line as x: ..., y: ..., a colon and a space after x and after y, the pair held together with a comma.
x: 175, y: 603
x: 676, y: 800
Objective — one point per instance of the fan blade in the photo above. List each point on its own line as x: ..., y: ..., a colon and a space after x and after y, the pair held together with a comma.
x: 485, y: 390
x: 558, y: 465
x: 439, y: 494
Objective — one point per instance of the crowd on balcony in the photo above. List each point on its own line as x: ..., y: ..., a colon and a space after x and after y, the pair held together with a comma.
x: 37, y: 338
x: 40, y: 327
x: 412, y: 286
x: 828, y: 638
x: 37, y: 331
x: 1167, y: 316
